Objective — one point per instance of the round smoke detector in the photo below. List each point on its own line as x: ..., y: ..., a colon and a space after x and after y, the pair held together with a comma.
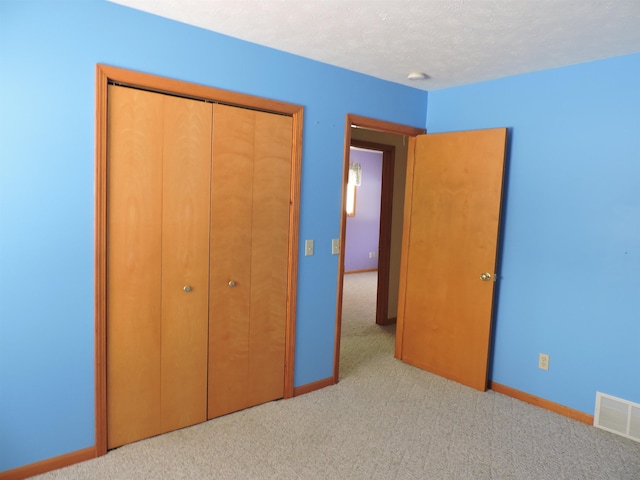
x: 417, y: 76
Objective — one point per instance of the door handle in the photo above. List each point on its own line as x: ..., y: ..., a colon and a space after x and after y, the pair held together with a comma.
x: 232, y: 284
x: 485, y: 277
x: 186, y: 288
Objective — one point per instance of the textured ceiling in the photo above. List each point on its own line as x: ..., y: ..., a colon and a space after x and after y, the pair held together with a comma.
x: 455, y: 42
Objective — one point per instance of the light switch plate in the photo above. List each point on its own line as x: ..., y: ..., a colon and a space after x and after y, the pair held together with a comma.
x: 335, y: 246
x: 308, y: 248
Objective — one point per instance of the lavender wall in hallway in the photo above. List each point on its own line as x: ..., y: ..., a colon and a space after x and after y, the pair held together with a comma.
x: 363, y: 229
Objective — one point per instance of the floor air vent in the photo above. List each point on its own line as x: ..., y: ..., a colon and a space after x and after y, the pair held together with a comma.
x: 618, y: 416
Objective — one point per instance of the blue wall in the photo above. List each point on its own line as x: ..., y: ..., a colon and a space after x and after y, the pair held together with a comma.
x: 570, y: 277
x: 47, y: 94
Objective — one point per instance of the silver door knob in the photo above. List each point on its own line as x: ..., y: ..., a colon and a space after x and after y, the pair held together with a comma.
x: 186, y: 288
x: 232, y: 284
x: 485, y: 277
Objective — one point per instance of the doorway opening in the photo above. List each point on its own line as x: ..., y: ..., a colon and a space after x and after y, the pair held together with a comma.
x: 378, y: 280
x: 449, y: 238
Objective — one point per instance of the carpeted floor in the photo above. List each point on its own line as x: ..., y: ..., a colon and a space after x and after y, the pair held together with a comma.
x: 384, y: 420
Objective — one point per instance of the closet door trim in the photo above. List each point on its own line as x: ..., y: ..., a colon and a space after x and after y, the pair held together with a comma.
x: 107, y: 74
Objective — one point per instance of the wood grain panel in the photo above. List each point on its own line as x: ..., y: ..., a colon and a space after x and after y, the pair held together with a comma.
x: 230, y: 259
x: 134, y: 196
x: 185, y: 261
x: 269, y: 256
x: 452, y: 240
x: 294, y: 223
x: 100, y: 262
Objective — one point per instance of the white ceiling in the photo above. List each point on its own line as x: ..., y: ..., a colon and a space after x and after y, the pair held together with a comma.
x: 455, y: 42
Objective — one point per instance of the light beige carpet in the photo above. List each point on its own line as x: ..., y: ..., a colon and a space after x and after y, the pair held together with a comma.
x: 384, y: 420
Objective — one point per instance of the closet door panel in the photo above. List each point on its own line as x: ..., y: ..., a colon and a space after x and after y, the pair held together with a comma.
x: 185, y: 261
x: 231, y: 206
x: 134, y: 196
x: 269, y: 256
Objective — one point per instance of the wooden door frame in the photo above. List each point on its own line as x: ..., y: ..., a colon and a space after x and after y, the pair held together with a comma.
x: 107, y: 74
x: 384, y: 242
x: 381, y: 126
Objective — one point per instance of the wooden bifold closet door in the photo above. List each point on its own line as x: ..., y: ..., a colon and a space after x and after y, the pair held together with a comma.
x: 197, y: 252
x: 249, y: 257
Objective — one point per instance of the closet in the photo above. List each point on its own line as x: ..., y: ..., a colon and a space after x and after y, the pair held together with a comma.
x: 197, y: 260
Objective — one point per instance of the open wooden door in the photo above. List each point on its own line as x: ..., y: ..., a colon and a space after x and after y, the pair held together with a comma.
x: 450, y: 239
